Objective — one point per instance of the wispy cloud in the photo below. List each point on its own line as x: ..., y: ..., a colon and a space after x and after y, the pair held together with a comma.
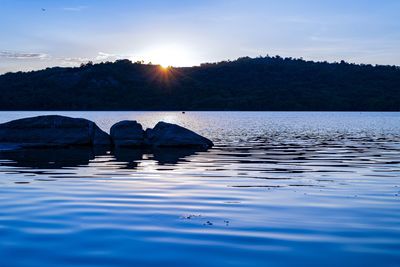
x: 105, y: 56
x: 21, y: 55
x: 102, y: 56
x: 75, y: 8
x: 73, y: 60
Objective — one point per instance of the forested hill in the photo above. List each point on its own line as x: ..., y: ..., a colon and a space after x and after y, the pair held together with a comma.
x: 264, y: 83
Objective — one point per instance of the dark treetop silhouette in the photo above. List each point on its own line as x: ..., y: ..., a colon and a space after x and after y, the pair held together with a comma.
x: 264, y: 83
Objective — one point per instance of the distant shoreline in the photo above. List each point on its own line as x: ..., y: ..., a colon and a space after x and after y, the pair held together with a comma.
x: 246, y: 84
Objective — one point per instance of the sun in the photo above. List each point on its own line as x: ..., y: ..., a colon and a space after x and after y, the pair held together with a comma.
x: 169, y: 56
x: 165, y: 66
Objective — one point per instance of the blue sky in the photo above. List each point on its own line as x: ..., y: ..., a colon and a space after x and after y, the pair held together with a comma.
x: 185, y: 33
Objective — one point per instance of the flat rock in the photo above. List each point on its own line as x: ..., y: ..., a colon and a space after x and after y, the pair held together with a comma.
x: 172, y: 135
x: 127, y: 134
x: 52, y: 131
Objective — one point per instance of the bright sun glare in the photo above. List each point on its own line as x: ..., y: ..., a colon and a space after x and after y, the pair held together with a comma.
x: 168, y: 55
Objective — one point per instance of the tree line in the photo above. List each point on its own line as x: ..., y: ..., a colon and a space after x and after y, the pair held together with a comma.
x: 263, y: 83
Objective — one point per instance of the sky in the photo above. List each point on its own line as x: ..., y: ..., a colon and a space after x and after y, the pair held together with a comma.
x: 35, y: 34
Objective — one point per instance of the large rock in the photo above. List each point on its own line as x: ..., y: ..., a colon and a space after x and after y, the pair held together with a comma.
x: 127, y: 134
x: 52, y: 130
x: 172, y: 135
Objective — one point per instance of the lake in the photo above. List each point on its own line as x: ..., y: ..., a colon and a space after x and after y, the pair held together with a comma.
x: 278, y: 189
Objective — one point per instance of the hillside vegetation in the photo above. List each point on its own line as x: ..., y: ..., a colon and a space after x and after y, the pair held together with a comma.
x: 264, y: 83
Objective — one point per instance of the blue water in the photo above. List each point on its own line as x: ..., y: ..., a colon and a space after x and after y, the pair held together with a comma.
x: 278, y: 189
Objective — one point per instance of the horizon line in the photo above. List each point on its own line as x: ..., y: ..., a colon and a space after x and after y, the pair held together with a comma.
x: 141, y: 62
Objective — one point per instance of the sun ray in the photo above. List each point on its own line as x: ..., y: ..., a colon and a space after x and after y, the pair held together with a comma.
x: 168, y: 56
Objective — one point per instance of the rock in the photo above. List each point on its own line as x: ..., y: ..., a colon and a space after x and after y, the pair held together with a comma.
x: 127, y: 134
x: 172, y: 135
x: 99, y: 137
x: 60, y: 131
x: 52, y: 131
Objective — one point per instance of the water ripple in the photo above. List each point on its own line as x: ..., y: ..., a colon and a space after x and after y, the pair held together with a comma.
x: 278, y: 189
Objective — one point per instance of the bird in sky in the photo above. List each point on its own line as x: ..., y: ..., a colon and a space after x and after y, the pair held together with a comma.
x: 43, y: 9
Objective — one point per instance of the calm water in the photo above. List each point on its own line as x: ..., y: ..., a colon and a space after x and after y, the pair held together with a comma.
x: 278, y: 189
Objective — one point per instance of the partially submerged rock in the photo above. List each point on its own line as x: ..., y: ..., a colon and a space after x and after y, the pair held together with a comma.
x: 127, y: 134
x: 52, y: 131
x: 131, y: 134
x: 61, y: 131
x: 172, y: 135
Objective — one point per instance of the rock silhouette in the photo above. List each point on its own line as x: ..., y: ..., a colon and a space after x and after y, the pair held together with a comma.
x: 131, y: 134
x: 172, y: 135
x: 52, y: 131
x: 61, y: 131
x: 127, y: 134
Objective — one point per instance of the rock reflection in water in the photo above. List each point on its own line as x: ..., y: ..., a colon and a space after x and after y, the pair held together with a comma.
x: 58, y: 158
x: 128, y: 157
x: 163, y: 156
x: 55, y: 158
x: 172, y: 156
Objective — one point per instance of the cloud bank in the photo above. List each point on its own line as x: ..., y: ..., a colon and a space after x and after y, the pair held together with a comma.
x: 20, y: 55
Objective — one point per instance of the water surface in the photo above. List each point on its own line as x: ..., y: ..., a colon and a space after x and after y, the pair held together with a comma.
x: 278, y: 189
